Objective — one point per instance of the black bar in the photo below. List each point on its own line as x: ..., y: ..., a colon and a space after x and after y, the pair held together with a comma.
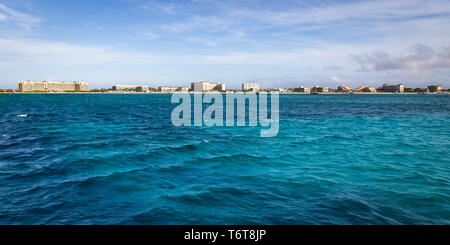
x: 225, y: 234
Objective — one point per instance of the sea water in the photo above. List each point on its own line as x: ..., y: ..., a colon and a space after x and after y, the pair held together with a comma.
x: 117, y: 159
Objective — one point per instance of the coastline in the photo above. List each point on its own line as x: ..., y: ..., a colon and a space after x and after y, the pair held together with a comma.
x: 296, y: 93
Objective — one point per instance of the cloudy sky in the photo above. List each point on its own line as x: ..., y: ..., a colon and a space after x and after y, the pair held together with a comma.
x: 278, y: 43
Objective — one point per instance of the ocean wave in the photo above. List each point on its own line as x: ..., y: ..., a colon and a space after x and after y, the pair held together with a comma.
x: 234, y: 157
x: 336, y: 160
x: 212, y: 196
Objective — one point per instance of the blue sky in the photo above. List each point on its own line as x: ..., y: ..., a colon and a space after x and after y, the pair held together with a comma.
x: 277, y: 43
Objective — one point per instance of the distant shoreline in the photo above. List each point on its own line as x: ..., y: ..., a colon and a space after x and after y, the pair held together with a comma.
x: 297, y: 93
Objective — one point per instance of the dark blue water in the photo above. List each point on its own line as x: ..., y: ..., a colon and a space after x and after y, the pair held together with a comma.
x: 117, y: 159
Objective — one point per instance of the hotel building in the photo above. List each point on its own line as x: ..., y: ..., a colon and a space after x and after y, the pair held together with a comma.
x: 173, y: 89
x: 137, y: 88
x: 318, y: 89
x: 302, y: 90
x: 251, y: 87
x: 45, y: 86
x: 365, y: 89
x: 399, y: 88
x: 343, y: 89
x: 435, y: 88
x: 206, y: 86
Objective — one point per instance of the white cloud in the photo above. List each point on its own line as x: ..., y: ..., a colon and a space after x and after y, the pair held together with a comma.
x: 150, y: 35
x: 416, y: 58
x: 394, y: 23
x: 211, y: 23
x: 18, y: 18
x: 158, y: 8
x: 23, y: 51
x: 332, y: 67
x: 203, y: 40
x: 370, y: 10
x: 268, y: 43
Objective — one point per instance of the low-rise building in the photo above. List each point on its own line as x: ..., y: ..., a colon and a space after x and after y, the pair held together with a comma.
x: 45, y: 86
x: 251, y: 87
x: 399, y: 88
x: 206, y: 86
x: 435, y: 88
x: 173, y: 89
x: 319, y: 89
x: 137, y: 88
x: 421, y: 90
x: 302, y: 89
x: 124, y: 87
x: 142, y: 89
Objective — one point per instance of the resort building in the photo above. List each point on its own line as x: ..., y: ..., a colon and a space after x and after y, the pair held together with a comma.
x: 343, y: 89
x: 251, y: 87
x: 45, y: 86
x: 137, y: 88
x: 302, y: 90
x: 365, y: 89
x: 435, y: 88
x: 142, y: 89
x: 318, y: 89
x: 399, y: 88
x: 173, y: 89
x: 206, y: 86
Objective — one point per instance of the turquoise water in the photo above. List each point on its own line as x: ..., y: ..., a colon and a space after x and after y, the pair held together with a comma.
x: 116, y: 159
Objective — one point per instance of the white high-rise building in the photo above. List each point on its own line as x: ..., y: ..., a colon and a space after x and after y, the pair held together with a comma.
x: 251, y: 86
x: 206, y: 86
